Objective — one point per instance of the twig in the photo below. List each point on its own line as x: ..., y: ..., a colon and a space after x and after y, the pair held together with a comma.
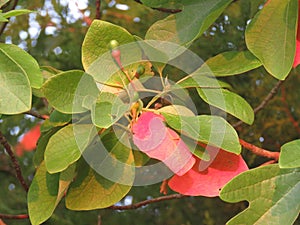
x: 162, y: 9
x: 5, y: 24
x: 269, y: 162
x: 99, y: 220
x: 9, y: 216
x: 264, y: 102
x: 98, y: 10
x: 288, y: 111
x: 15, y: 162
x: 36, y: 114
x: 260, y: 151
x: 146, y: 202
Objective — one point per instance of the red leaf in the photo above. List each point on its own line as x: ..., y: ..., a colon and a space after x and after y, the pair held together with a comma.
x: 207, y: 179
x: 297, y: 55
x: 29, y: 140
x: 152, y: 137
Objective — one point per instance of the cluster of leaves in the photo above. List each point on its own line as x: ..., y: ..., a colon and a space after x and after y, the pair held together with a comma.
x: 159, y: 127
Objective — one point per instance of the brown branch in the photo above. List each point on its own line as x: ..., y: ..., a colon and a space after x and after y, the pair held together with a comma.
x: 36, y: 114
x: 15, y: 162
x: 5, y: 24
x: 98, y: 10
x: 288, y: 111
x: 264, y: 102
x: 146, y: 202
x: 163, y: 9
x: 9, y: 216
x: 260, y: 151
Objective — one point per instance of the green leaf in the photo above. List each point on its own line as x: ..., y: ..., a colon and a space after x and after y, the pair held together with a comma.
x: 196, y: 149
x: 108, y: 109
x: 16, y: 12
x: 184, y: 27
x: 15, y: 91
x: 94, y: 47
x: 42, y: 195
x: 178, y: 110
x: 197, y: 79
x: 232, y: 63
x: 212, y: 130
x: 65, y: 146
x: 14, y: 59
x: 111, y: 159
x: 42, y: 144
x: 3, y: 19
x: 60, y: 118
x: 67, y: 91
x: 99, y: 62
x: 273, y: 195
x: 3, y: 2
x: 271, y: 36
x: 229, y: 102
x: 169, y: 4
x: 290, y: 155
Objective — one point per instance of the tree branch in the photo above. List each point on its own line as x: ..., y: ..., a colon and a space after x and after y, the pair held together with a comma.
x: 163, y: 9
x: 288, y: 111
x: 98, y: 10
x: 146, y: 202
x: 264, y: 102
x: 260, y: 151
x: 36, y: 114
x: 15, y: 162
x: 5, y: 24
x: 9, y: 216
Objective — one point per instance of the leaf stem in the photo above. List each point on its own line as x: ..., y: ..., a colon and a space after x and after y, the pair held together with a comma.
x: 9, y: 216
x: 260, y: 151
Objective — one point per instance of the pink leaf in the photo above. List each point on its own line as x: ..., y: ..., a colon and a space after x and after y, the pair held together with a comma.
x: 207, y: 178
x: 297, y: 55
x: 152, y: 137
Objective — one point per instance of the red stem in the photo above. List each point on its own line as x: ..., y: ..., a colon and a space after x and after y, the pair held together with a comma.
x: 260, y: 151
x: 8, y: 216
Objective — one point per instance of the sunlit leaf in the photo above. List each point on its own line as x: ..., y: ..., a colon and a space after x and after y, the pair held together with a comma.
x: 16, y: 12
x: 232, y: 63
x: 290, y: 155
x: 273, y: 195
x: 67, y: 91
x: 42, y: 144
x: 212, y: 130
x: 228, y: 102
x: 3, y: 2
x: 184, y: 27
x: 15, y: 59
x: 91, y: 190
x: 66, y: 145
x: 42, y: 195
x: 15, y: 93
x: 108, y: 109
x: 271, y: 36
